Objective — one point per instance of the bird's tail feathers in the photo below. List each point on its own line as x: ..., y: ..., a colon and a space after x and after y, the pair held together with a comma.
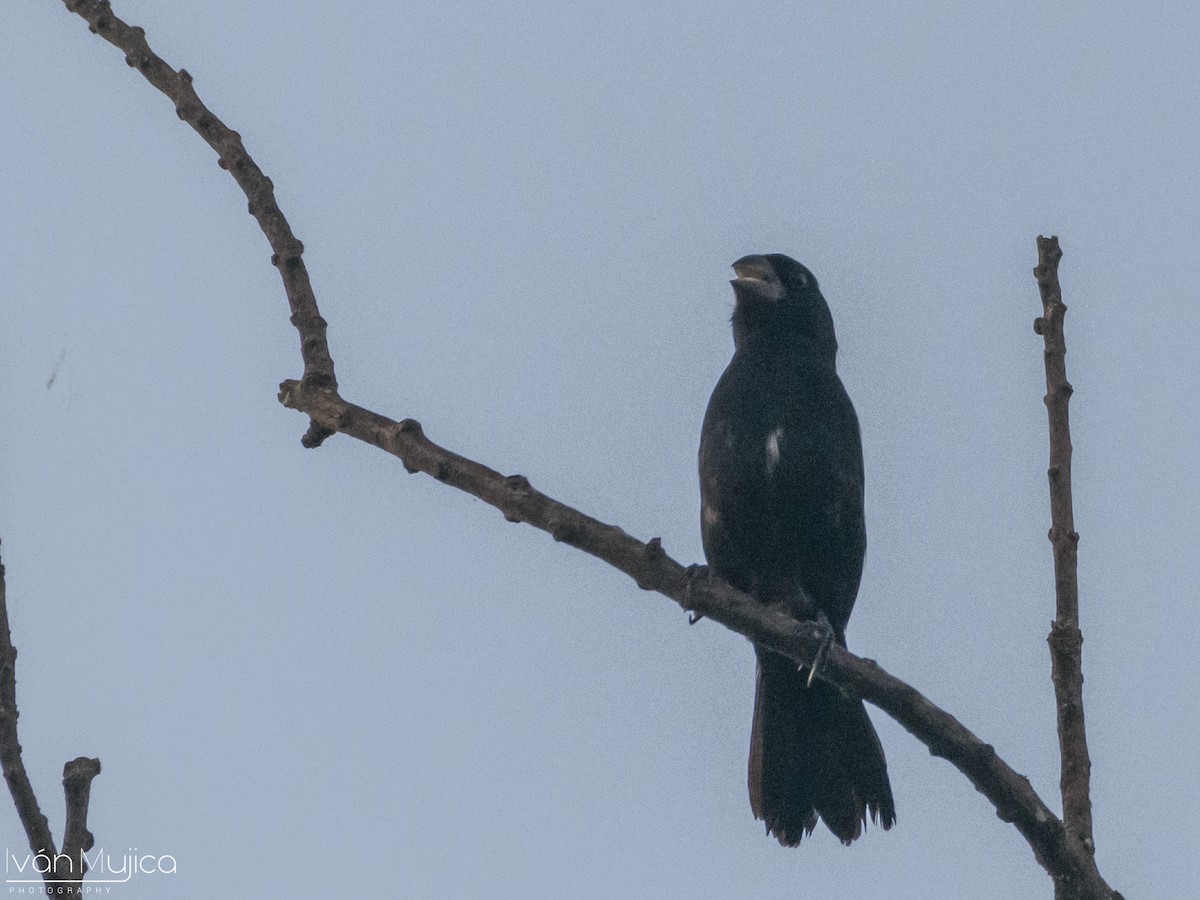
x: 813, y: 753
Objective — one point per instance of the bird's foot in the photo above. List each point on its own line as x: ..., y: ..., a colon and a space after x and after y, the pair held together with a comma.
x: 694, y: 572
x: 827, y: 638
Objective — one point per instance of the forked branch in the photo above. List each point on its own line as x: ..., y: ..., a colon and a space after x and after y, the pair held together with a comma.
x: 69, y: 867
x: 316, y: 395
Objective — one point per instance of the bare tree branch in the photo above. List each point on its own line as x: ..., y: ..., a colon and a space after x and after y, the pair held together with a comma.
x: 69, y: 867
x: 652, y: 569
x: 1066, y: 640
x: 316, y: 395
x: 232, y: 156
x: 37, y: 828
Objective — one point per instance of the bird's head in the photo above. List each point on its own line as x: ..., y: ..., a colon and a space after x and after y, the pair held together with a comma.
x: 779, y: 300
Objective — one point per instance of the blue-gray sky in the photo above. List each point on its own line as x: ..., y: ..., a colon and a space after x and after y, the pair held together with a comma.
x: 306, y: 672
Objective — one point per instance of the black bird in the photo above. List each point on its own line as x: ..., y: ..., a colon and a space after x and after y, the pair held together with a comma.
x: 781, y: 487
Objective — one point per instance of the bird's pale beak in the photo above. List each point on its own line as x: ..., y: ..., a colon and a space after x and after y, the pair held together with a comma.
x: 756, y: 280
x: 754, y: 268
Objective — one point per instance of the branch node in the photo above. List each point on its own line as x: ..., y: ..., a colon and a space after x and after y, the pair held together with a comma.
x: 519, y: 485
x: 404, y: 430
x: 653, y: 552
x: 315, y: 436
x: 1065, y: 636
x: 291, y: 260
x: 564, y: 532
x: 319, y: 381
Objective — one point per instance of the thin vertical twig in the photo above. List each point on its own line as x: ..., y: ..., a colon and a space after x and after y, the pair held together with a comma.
x: 1066, y: 640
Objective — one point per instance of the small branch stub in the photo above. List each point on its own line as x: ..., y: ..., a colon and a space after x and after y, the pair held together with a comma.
x: 77, y: 840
